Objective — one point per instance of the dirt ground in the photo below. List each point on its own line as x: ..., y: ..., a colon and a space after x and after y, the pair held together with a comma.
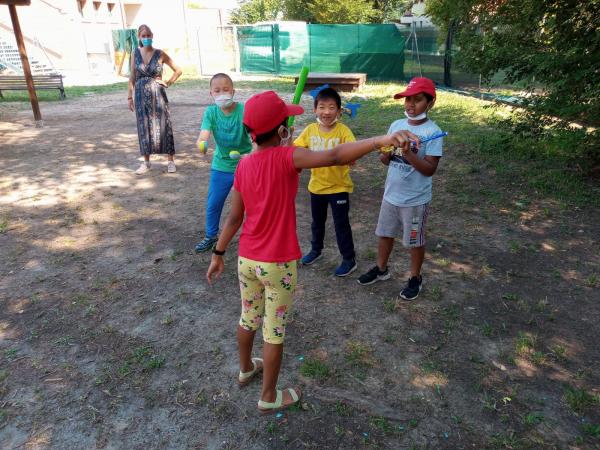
x: 111, y: 338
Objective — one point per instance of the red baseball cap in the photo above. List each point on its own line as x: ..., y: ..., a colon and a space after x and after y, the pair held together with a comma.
x: 416, y: 86
x: 264, y: 111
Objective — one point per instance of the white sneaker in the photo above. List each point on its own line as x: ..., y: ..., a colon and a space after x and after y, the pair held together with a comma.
x: 144, y: 167
x: 171, y: 167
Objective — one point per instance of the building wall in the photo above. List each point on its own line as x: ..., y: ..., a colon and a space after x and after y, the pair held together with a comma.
x: 76, y: 35
x: 72, y: 36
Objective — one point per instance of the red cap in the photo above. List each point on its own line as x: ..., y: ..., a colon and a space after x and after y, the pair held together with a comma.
x: 416, y: 86
x: 264, y: 111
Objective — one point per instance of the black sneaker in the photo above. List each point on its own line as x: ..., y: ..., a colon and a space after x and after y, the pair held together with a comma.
x: 412, y: 289
x: 374, y: 275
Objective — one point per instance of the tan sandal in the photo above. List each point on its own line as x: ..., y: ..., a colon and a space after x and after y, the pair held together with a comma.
x: 278, y: 405
x: 246, y: 377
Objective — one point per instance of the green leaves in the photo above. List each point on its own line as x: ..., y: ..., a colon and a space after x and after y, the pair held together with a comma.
x: 252, y: 11
x: 320, y: 11
x: 553, y: 45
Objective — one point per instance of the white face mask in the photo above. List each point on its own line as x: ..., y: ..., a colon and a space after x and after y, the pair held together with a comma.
x: 421, y: 116
x: 224, y: 100
x: 286, y: 136
x: 320, y: 122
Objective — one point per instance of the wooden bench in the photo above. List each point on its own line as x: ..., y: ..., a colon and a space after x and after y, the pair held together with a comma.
x: 18, y: 83
x: 343, y: 82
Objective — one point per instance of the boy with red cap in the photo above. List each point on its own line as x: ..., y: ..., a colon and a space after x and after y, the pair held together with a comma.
x: 263, y: 200
x: 407, y: 194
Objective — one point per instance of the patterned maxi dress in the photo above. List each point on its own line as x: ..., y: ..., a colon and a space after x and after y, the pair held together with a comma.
x: 152, y: 107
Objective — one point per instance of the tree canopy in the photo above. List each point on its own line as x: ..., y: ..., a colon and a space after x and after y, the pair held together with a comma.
x: 320, y: 11
x: 553, y: 45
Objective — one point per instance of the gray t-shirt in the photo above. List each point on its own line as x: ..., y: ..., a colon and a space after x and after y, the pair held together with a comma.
x: 405, y: 186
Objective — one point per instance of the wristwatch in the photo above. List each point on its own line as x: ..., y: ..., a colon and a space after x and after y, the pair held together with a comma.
x: 217, y: 252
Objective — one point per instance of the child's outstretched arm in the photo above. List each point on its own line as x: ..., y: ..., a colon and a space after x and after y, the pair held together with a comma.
x: 232, y: 225
x: 350, y: 151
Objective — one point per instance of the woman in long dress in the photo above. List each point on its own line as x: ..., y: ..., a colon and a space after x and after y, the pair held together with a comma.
x: 151, y: 106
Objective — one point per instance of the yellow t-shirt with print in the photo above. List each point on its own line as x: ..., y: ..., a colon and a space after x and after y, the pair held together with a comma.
x: 327, y: 180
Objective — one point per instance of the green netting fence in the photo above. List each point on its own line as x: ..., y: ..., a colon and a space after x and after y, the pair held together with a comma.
x: 382, y: 51
x: 377, y: 50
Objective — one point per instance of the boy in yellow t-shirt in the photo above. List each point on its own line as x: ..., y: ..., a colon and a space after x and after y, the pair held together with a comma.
x: 329, y: 185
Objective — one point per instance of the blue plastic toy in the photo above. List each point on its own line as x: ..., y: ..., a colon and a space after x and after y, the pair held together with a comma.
x: 351, y: 109
x: 435, y: 136
x: 347, y: 108
x: 316, y: 90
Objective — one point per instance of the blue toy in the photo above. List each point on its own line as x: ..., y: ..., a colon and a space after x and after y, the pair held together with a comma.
x: 351, y: 109
x: 316, y: 90
x: 347, y: 108
x: 435, y: 136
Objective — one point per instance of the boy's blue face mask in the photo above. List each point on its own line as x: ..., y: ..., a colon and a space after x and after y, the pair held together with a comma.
x: 146, y: 42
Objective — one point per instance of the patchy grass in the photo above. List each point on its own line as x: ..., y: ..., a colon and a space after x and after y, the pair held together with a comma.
x: 390, y: 305
x: 533, y: 418
x: 580, y: 400
x: 10, y: 354
x: 524, y: 344
x: 434, y: 293
x: 313, y: 368
x: 142, y: 359
x: 487, y: 330
x: 359, y: 354
x: 592, y: 430
x: 559, y: 351
x: 510, y: 297
x: 591, y: 281
x: 382, y: 424
x: 70, y: 91
x: 343, y: 409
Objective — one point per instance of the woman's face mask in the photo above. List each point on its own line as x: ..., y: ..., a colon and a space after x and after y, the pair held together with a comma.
x: 286, y: 136
x: 146, y: 42
x: 224, y: 100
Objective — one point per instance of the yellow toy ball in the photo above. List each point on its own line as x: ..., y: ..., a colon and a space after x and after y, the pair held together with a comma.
x: 234, y: 154
x: 202, y: 146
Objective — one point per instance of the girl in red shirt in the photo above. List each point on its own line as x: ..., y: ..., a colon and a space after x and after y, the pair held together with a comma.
x: 263, y: 200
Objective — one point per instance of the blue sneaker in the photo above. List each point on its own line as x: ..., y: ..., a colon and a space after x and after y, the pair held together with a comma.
x: 206, y: 244
x: 310, y: 258
x: 346, y: 268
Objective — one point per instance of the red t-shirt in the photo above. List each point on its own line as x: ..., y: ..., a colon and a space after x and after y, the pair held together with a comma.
x: 268, y: 183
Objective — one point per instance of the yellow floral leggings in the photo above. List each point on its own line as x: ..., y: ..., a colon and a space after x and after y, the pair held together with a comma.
x: 267, y: 290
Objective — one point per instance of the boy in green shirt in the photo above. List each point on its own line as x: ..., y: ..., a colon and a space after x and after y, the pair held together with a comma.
x: 224, y: 121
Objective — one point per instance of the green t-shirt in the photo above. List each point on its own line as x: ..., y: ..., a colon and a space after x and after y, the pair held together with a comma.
x: 229, y: 134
